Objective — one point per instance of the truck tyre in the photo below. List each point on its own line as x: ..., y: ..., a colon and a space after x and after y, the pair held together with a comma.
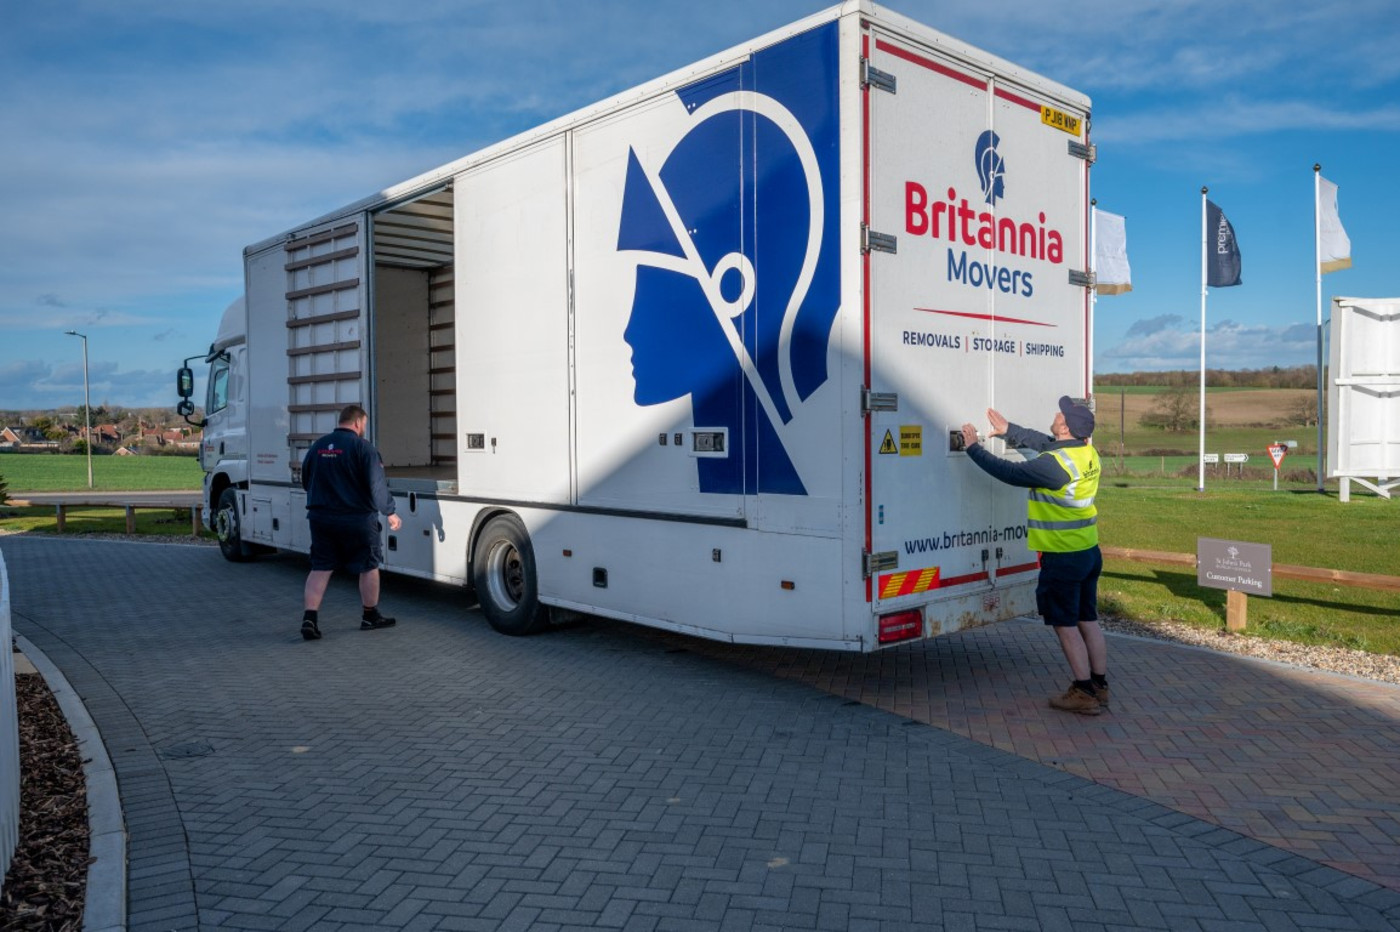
x: 227, y: 528
x: 503, y: 574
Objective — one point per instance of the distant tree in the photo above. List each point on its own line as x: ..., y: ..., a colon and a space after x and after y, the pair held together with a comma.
x: 100, y: 415
x: 1175, y: 409
x: 1271, y: 377
x: 1304, y: 410
x: 4, y: 493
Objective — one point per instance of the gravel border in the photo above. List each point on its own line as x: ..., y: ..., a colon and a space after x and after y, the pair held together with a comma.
x: 1382, y: 668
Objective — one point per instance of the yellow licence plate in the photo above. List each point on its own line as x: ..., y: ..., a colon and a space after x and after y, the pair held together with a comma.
x: 1060, y: 120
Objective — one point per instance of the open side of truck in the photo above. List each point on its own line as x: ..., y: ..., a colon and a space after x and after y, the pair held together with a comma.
x: 694, y: 357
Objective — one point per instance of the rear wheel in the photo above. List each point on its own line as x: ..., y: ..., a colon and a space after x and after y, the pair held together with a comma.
x: 227, y: 527
x: 503, y: 574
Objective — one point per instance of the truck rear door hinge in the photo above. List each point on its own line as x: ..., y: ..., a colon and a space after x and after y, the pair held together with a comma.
x: 878, y: 401
x: 1082, y: 279
x: 870, y: 241
x: 1088, y: 152
x: 872, y: 563
x: 870, y: 76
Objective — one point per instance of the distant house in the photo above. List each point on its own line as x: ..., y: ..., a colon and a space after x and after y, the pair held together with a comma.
x: 179, y: 438
x: 25, y: 439
x: 124, y: 451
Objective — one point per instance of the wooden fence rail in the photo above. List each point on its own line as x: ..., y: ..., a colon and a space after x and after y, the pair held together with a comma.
x: 1283, y: 570
x: 61, y: 514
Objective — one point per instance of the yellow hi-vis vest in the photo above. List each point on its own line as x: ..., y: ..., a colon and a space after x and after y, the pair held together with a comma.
x: 1065, y: 519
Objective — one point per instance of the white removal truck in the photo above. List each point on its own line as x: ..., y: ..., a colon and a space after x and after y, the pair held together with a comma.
x: 695, y: 357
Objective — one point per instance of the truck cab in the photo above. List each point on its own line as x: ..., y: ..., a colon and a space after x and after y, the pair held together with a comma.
x: 223, y: 454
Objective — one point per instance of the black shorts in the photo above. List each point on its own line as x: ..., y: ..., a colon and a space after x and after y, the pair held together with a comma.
x: 349, y: 542
x: 1068, y: 590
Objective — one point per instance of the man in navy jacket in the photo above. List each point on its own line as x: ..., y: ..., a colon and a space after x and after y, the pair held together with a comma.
x: 346, y: 492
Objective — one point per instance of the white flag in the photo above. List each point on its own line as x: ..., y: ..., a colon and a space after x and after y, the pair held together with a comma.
x: 1333, y: 245
x: 1111, y: 254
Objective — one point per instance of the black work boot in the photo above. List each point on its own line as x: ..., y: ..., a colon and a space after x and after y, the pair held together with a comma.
x: 372, y: 620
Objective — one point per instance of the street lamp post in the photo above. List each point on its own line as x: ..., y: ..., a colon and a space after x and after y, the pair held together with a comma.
x: 87, y: 404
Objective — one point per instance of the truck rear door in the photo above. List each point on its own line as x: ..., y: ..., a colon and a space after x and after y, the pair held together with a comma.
x: 325, y: 330
x: 976, y: 217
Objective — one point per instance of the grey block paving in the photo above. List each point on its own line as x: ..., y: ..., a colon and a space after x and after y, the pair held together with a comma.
x: 440, y: 776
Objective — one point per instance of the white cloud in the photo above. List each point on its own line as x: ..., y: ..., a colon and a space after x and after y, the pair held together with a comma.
x: 35, y: 384
x: 1237, y: 117
x: 1170, y: 342
x: 1150, y: 325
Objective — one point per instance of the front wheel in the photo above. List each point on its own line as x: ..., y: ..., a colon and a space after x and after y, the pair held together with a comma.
x: 227, y: 527
x: 503, y: 574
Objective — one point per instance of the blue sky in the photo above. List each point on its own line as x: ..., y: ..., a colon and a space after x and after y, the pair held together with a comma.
x: 145, y: 143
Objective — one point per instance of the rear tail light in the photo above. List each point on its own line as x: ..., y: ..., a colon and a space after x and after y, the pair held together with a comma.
x: 901, y: 626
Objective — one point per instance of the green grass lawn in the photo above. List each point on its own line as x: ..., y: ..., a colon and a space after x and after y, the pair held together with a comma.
x: 44, y: 472
x: 1252, y: 440
x: 1302, y: 528
x: 150, y: 522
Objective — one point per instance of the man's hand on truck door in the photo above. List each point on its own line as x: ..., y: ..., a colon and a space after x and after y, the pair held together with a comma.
x: 969, y: 435
x: 999, y: 423
x: 395, y: 522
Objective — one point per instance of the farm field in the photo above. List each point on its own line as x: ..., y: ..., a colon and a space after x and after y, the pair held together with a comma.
x: 1238, y: 420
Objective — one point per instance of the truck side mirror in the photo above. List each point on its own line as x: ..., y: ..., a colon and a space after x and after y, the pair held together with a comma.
x: 184, y: 385
x: 185, y: 408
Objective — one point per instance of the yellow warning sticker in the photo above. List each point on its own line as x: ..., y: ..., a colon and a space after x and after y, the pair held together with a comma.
x: 911, y: 440
x: 1060, y: 120
x: 887, y: 445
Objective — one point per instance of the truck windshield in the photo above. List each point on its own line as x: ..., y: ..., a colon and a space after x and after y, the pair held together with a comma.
x: 218, y: 387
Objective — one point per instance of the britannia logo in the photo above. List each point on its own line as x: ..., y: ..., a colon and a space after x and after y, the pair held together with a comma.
x: 733, y: 228
x: 991, y: 167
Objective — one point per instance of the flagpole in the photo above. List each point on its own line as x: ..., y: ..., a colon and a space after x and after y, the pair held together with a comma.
x: 1317, y: 270
x: 1201, y: 452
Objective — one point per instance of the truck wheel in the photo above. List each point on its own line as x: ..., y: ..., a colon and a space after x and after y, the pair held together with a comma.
x: 227, y: 528
x: 503, y: 574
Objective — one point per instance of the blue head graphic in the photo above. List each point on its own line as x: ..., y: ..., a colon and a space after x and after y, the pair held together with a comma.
x: 734, y: 231
x: 991, y: 167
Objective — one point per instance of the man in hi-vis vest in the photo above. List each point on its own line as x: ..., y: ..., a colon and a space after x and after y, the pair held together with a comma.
x: 1061, y: 523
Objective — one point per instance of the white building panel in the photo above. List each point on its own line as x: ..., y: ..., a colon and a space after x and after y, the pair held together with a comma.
x: 1363, y: 410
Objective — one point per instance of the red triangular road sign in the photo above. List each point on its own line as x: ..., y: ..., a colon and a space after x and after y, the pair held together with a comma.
x: 1277, y: 451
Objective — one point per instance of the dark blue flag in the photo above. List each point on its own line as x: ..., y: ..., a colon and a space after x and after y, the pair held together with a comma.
x: 1222, y: 249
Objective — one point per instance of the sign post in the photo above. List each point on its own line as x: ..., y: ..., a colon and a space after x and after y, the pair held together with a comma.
x: 1277, y: 452
x: 1238, y: 567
